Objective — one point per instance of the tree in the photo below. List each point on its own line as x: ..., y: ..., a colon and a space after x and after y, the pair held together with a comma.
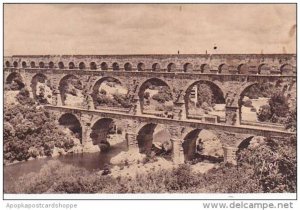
x: 264, y: 113
x: 205, y: 94
x: 279, y: 104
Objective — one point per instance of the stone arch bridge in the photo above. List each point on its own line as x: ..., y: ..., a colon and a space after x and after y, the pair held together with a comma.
x: 232, y: 75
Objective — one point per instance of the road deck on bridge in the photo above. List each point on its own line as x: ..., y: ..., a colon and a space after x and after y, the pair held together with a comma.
x: 244, y: 129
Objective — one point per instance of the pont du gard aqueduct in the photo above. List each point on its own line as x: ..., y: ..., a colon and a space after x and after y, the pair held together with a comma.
x: 228, y: 75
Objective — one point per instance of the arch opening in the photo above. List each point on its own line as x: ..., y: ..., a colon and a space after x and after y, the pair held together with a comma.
x: 263, y: 69
x: 171, y: 67
x: 72, y: 127
x: 223, y: 69
x: 154, y: 139
x: 61, y: 65
x: 41, y: 89
x: 204, y: 100
x: 108, y: 135
x: 32, y: 64
x: 93, y: 66
x: 243, y: 69
x: 71, y: 65
x: 7, y: 64
x: 156, y: 98
x: 188, y: 67
x: 155, y: 67
x: 286, y: 69
x: 115, y: 66
x: 141, y: 67
x: 14, y: 81
x: 24, y: 64
x: 104, y: 66
x: 250, y: 142
x: 202, y: 145
x: 51, y: 65
x: 204, y: 68
x: 16, y: 64
x: 81, y: 65
x: 264, y: 103
x: 41, y: 65
x: 71, y: 91
x: 108, y: 92
x: 128, y: 67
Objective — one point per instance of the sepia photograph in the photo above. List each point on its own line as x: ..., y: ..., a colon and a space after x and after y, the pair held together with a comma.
x: 149, y: 99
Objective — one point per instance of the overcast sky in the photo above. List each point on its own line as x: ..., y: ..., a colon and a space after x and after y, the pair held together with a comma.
x: 149, y: 29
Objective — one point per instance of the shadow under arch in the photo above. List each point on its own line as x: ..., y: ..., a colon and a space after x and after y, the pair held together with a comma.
x: 110, y: 81
x: 195, y: 146
x: 38, y: 78
x: 149, y: 84
x: 64, y: 86
x: 101, y: 130
x: 15, y: 81
x: 71, y: 122
x: 191, y: 93
x: 145, y: 138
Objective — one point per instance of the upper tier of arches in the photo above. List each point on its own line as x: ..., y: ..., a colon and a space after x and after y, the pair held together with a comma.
x: 221, y: 67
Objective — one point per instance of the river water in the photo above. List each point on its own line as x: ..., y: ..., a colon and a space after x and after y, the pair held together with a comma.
x: 89, y: 161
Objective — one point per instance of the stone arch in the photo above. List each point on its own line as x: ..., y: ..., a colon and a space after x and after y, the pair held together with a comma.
x: 187, y: 67
x: 70, y: 121
x: 71, y: 65
x: 40, y: 78
x: 81, y: 65
x: 128, y: 66
x: 93, y: 66
x: 223, y: 69
x: 286, y: 69
x: 100, y: 132
x: 61, y: 65
x: 115, y: 66
x: 104, y: 66
x: 7, y: 64
x: 32, y: 64
x: 24, y: 64
x: 41, y: 64
x: 156, y: 67
x: 171, y: 67
x: 15, y: 64
x: 74, y: 90
x: 114, y: 95
x: 149, y: 84
x: 154, y: 138
x: 251, y: 140
x: 51, y: 65
x: 243, y: 69
x: 241, y: 102
x: 205, y: 68
x: 196, y: 145
x: 192, y: 93
x: 263, y: 69
x: 145, y: 138
x: 244, y: 143
x: 15, y: 81
x: 141, y: 67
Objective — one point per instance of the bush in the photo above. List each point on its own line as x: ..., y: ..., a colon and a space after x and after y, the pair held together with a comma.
x: 248, y: 103
x: 279, y: 104
x: 264, y: 113
x: 30, y: 131
x: 146, y: 95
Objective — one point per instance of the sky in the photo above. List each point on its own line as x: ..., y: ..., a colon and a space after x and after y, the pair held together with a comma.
x: 35, y: 29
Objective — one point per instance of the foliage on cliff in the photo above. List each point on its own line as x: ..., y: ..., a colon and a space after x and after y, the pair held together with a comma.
x: 276, y: 111
x: 31, y: 131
